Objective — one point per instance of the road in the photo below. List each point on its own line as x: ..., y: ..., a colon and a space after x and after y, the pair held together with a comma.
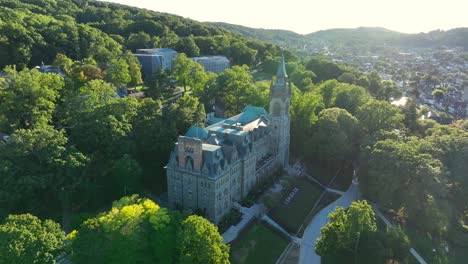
x: 312, y: 231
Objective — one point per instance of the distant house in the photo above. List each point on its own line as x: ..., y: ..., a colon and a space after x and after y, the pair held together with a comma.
x: 50, y: 69
x: 152, y: 60
x: 216, y: 64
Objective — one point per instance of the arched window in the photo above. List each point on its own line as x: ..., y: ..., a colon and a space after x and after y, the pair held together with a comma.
x: 276, y: 109
x: 189, y: 163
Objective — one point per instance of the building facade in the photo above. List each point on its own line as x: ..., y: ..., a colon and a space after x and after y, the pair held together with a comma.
x: 213, y: 167
x: 216, y: 64
x: 150, y: 63
x: 152, y: 60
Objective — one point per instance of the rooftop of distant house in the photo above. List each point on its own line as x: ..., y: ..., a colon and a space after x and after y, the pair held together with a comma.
x: 161, y: 50
x: 212, y: 58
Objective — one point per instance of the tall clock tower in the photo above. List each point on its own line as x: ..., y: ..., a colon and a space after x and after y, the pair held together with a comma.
x: 280, y: 100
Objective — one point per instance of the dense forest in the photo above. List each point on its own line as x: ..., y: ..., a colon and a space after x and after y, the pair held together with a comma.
x: 34, y: 31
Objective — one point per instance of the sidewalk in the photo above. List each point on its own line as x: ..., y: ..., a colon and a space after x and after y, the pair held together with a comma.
x: 248, y: 214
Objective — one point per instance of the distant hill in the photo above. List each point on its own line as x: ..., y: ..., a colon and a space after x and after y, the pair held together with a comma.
x: 32, y: 32
x: 362, y: 37
x: 276, y: 36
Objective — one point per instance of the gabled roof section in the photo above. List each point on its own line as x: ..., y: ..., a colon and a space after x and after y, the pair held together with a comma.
x: 249, y: 114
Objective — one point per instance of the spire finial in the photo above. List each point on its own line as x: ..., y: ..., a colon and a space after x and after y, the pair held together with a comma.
x: 281, y: 74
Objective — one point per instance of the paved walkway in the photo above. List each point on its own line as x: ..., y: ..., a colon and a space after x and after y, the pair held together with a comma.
x: 247, y: 215
x: 335, y: 191
x: 272, y: 222
x: 312, y: 231
x: 384, y: 219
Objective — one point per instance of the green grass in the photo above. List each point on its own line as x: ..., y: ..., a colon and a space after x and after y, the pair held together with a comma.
x: 292, y: 216
x: 260, y: 245
x: 327, y: 199
x: 324, y: 174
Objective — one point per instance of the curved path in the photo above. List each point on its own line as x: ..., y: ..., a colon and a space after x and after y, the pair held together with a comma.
x: 312, y: 231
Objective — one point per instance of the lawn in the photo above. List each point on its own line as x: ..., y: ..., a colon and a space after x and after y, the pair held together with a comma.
x: 292, y: 215
x: 325, y: 174
x: 327, y: 199
x: 259, y: 245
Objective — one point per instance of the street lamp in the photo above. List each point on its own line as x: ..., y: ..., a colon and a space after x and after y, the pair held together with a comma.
x: 356, y: 247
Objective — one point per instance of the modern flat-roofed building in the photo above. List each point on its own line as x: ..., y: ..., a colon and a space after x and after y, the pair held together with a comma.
x: 216, y: 64
x: 150, y: 63
x: 211, y: 168
x: 167, y: 56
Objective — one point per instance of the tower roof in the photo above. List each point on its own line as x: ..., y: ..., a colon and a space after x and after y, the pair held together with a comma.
x: 281, y: 74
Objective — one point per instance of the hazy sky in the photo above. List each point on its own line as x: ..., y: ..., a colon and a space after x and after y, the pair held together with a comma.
x: 306, y: 16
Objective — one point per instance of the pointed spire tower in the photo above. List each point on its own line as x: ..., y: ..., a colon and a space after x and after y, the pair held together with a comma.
x: 280, y: 99
x: 281, y: 75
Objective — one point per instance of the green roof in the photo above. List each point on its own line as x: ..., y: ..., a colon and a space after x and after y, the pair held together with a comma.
x: 196, y: 132
x: 251, y: 113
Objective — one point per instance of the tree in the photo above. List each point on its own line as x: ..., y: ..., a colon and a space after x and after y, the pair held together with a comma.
x: 36, y: 160
x: 126, y: 175
x: 341, y: 236
x: 155, y: 134
x: 350, y: 97
x: 336, y: 135
x: 27, y: 239
x: 378, y: 115
x: 86, y: 71
x: 438, y: 94
x: 233, y: 87
x: 347, y: 77
x: 107, y: 129
x: 184, y: 113
x: 399, y: 172
x: 138, y: 40
x: 389, y: 90
x: 28, y: 99
x: 118, y: 236
x: 305, y: 111
x: 65, y: 63
x: 200, y: 242
x: 85, y: 99
x: 159, y: 84
x: 182, y: 70
x: 188, y: 47
x: 134, y: 69
x: 398, y: 242
x: 242, y: 54
x: 198, y: 78
x: 324, y: 69
x: 138, y: 230
x: 118, y: 73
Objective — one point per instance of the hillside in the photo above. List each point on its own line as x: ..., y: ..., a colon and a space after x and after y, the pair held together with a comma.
x: 362, y: 37
x: 350, y: 36
x: 33, y: 31
x: 277, y: 36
